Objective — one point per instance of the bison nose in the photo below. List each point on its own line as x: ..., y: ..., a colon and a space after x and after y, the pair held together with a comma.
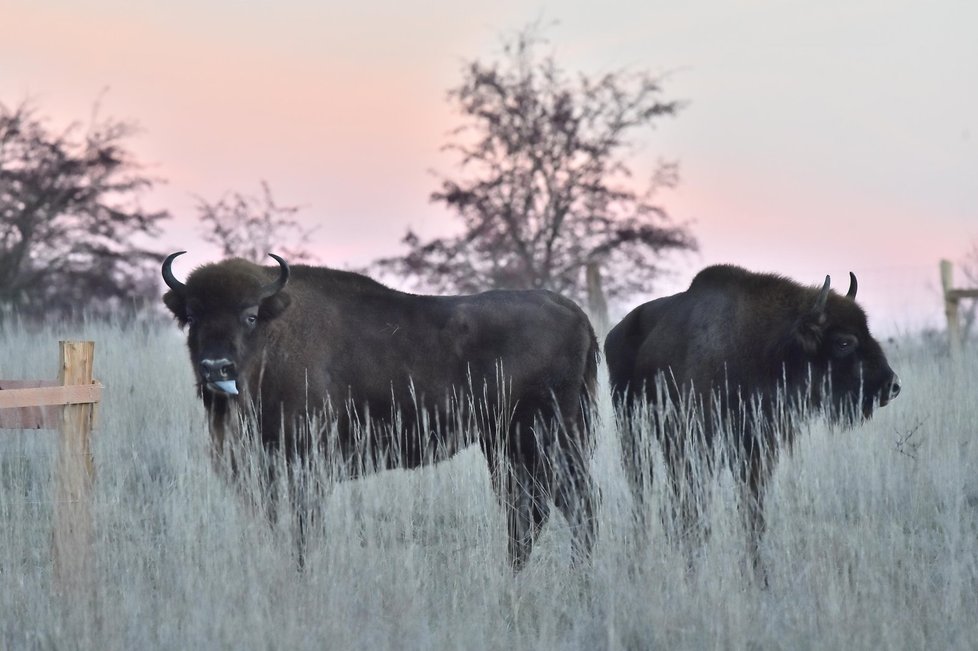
x: 219, y: 376
x: 213, y: 370
x: 894, y: 386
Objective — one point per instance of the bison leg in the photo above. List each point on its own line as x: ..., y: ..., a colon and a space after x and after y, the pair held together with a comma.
x: 688, y: 503
x: 517, y: 483
x: 755, y: 470
x: 575, y: 496
x: 636, y: 457
x: 689, y: 471
x: 299, y: 502
x: 528, y: 509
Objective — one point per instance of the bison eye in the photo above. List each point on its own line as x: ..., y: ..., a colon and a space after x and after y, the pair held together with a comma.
x: 191, y: 319
x: 250, y: 317
x: 844, y: 344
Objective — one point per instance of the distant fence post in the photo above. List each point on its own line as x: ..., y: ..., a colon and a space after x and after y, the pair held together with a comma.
x: 596, y: 302
x: 952, y: 297
x: 951, y: 308
x: 68, y: 405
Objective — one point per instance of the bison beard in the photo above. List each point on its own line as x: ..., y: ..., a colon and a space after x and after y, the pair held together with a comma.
x: 299, y: 345
x: 731, y: 366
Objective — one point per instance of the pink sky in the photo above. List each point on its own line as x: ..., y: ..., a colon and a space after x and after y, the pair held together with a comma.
x: 816, y: 140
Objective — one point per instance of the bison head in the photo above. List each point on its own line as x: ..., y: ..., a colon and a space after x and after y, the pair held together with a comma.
x: 831, y: 346
x: 227, y: 307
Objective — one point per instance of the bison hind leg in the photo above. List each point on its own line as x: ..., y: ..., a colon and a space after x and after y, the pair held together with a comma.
x: 575, y: 495
x: 528, y: 508
x: 689, y: 475
x: 637, y: 439
x: 519, y: 480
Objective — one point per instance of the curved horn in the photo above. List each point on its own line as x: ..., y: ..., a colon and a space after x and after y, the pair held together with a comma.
x: 853, y: 286
x: 823, y: 296
x: 168, y: 277
x: 283, y: 277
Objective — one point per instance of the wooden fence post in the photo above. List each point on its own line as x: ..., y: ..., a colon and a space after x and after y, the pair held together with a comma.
x: 72, y: 544
x: 66, y: 404
x: 951, y: 308
x: 597, y: 304
x: 952, y: 297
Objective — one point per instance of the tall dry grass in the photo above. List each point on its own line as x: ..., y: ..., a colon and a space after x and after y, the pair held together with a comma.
x: 872, y: 537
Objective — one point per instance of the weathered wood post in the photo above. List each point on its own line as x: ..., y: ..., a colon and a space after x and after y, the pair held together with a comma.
x: 72, y: 543
x: 951, y: 309
x: 68, y: 405
x: 952, y: 297
x: 596, y: 302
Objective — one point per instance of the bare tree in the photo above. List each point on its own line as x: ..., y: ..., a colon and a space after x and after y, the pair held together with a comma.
x: 251, y: 227
x: 70, y: 218
x: 544, y: 188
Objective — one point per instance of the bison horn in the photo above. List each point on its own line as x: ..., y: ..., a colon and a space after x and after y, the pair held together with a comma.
x: 168, y: 277
x: 823, y: 296
x: 283, y: 277
x: 853, y: 286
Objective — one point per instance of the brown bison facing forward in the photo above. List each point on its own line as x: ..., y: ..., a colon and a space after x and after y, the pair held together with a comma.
x: 297, y: 341
x: 753, y: 351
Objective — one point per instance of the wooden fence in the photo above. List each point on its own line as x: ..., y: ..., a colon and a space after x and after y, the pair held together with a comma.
x: 596, y: 302
x: 67, y: 404
x: 952, y: 298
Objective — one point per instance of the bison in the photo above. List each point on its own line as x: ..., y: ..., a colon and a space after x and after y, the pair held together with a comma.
x: 752, y: 354
x: 295, y: 345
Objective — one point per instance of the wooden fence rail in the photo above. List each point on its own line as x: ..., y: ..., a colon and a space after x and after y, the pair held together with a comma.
x: 952, y: 298
x: 67, y: 404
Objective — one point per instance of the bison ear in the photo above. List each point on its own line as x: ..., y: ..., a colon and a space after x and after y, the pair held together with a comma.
x: 177, y: 304
x: 809, y: 331
x: 274, y: 305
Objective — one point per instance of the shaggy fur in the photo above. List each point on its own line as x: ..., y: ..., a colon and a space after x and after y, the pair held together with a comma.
x: 753, y: 352
x: 518, y: 367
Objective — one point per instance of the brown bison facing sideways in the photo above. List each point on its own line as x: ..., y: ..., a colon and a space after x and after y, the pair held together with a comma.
x: 296, y: 341
x: 753, y: 351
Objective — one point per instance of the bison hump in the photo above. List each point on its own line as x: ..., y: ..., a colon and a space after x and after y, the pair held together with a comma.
x: 719, y: 275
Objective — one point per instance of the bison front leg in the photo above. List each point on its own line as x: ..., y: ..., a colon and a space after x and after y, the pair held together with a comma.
x: 222, y: 440
x: 237, y: 460
x: 755, y: 471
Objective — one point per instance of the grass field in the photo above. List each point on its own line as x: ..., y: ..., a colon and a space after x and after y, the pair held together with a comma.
x: 872, y: 540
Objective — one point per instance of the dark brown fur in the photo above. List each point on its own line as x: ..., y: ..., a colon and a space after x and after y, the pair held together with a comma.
x: 341, y: 342
x: 754, y: 352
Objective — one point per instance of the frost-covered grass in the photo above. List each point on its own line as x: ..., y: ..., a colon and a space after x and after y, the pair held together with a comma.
x: 872, y: 537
